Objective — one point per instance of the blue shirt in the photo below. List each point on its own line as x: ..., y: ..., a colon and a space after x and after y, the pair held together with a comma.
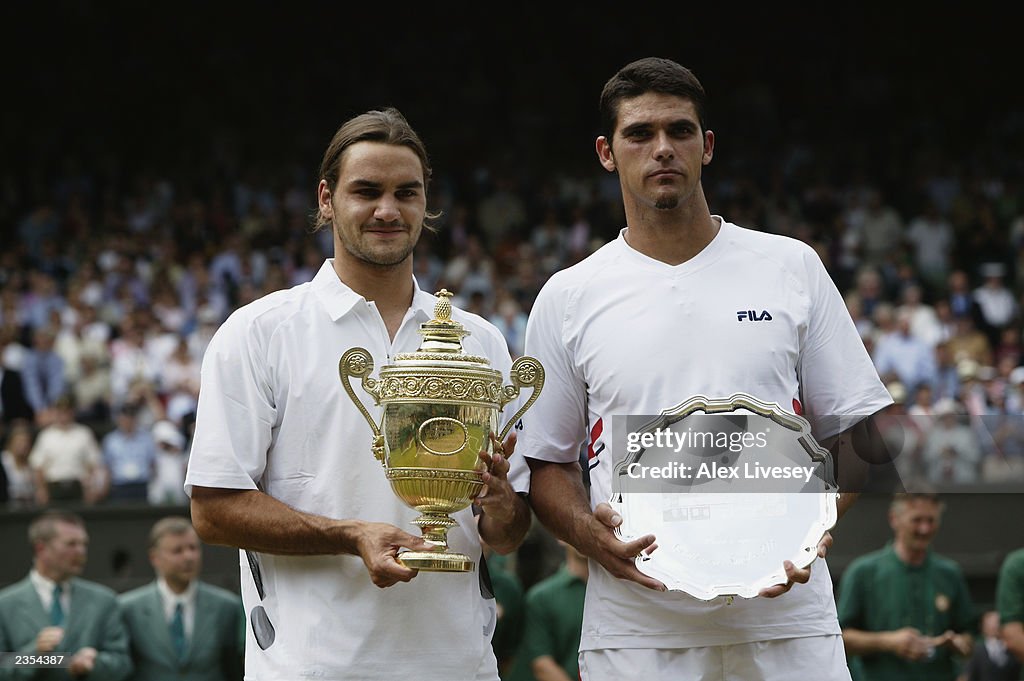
x: 129, y: 456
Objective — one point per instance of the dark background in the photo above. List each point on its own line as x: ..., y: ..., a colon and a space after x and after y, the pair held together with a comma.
x: 180, y: 86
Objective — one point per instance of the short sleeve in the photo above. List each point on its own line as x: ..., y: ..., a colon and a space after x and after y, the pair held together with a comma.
x: 1010, y: 588
x: 236, y: 412
x: 839, y: 384
x: 555, y: 426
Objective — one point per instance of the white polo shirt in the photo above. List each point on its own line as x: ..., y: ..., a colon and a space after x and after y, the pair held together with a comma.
x: 623, y: 334
x: 273, y: 413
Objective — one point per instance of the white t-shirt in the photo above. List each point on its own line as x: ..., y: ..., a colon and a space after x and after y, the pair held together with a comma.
x: 273, y: 413
x: 65, y: 453
x: 623, y: 334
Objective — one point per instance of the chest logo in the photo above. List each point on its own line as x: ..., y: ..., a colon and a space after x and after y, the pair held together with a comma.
x: 753, y: 316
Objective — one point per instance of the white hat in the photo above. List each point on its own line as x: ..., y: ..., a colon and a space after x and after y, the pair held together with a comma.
x: 165, y: 432
x: 897, y: 391
x: 945, y: 407
x: 967, y: 369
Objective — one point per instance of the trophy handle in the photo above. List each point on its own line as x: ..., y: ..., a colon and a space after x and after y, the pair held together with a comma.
x: 358, y: 363
x: 526, y: 371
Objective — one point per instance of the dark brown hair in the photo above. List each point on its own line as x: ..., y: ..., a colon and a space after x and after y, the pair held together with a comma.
x: 387, y: 126
x: 651, y: 74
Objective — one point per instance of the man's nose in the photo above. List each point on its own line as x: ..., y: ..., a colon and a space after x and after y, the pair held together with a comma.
x: 387, y: 210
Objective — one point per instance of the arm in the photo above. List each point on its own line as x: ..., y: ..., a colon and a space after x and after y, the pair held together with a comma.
x: 1013, y: 634
x: 41, y: 490
x: 1010, y: 602
x: 252, y: 520
x: 907, y: 643
x: 505, y: 516
x: 111, y: 657
x: 545, y: 668
x: 32, y: 384
x: 560, y: 502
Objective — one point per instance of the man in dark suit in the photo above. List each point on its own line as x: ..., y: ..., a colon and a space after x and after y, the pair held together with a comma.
x: 181, y: 628
x: 991, y: 659
x: 54, y: 611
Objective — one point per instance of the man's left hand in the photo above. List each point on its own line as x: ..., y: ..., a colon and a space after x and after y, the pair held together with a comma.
x: 497, y: 498
x: 83, y: 661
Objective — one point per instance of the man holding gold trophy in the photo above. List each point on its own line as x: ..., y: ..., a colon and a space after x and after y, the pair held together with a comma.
x: 686, y: 315
x: 283, y: 463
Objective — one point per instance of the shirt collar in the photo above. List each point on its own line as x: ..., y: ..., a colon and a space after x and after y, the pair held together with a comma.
x: 339, y: 299
x: 46, y: 584
x: 336, y: 297
x: 170, y: 599
x: 891, y: 547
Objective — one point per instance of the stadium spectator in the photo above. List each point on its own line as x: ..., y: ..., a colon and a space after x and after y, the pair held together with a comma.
x: 19, y: 477
x: 1010, y: 602
x: 67, y: 461
x: 167, y: 485
x: 905, y: 610
x: 554, y: 623
x: 899, y: 355
x: 991, y: 660
x: 951, y: 452
x: 931, y: 238
x: 42, y: 374
x: 129, y: 453
x: 997, y: 304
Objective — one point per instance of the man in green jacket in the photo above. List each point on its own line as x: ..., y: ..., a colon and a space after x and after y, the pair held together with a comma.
x: 904, y: 609
x: 1010, y: 603
x: 53, y: 613
x: 181, y: 628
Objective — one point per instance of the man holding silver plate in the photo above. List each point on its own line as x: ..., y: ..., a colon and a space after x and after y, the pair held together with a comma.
x: 701, y: 363
x: 282, y: 465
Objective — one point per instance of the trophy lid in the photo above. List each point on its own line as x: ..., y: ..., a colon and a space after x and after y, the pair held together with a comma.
x: 442, y: 337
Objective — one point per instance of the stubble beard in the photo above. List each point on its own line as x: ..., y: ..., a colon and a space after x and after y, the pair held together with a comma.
x: 385, y: 259
x: 666, y: 202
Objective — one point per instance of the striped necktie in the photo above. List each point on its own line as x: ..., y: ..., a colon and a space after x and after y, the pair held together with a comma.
x: 56, y: 608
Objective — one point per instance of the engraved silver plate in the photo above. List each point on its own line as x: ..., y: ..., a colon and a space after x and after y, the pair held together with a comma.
x: 730, y: 488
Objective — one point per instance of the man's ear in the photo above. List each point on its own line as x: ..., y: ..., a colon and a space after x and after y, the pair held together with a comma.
x: 709, y: 147
x: 604, y: 153
x: 323, y: 195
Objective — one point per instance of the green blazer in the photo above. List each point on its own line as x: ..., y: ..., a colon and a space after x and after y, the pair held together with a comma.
x: 94, y: 620
x: 215, y: 650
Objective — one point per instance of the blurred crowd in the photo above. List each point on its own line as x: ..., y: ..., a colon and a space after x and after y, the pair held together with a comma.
x: 115, y: 279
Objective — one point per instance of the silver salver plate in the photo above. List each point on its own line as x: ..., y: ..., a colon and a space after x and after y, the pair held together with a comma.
x: 730, y: 488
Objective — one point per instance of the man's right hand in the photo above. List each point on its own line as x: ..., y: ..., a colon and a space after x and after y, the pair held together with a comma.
x: 378, y: 545
x: 909, y: 644
x: 616, y: 556
x: 49, y: 638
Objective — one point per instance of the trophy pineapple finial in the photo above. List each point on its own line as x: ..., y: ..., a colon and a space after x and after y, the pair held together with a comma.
x: 443, y: 307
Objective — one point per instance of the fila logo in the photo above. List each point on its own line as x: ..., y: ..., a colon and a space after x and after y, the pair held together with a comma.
x: 753, y: 316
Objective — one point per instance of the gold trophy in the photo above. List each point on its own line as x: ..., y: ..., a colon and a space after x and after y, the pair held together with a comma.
x: 440, y: 407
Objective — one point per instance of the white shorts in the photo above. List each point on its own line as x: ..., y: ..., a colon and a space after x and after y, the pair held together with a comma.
x: 822, y: 658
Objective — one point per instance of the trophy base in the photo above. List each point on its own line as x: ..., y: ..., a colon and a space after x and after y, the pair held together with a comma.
x: 436, y: 562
